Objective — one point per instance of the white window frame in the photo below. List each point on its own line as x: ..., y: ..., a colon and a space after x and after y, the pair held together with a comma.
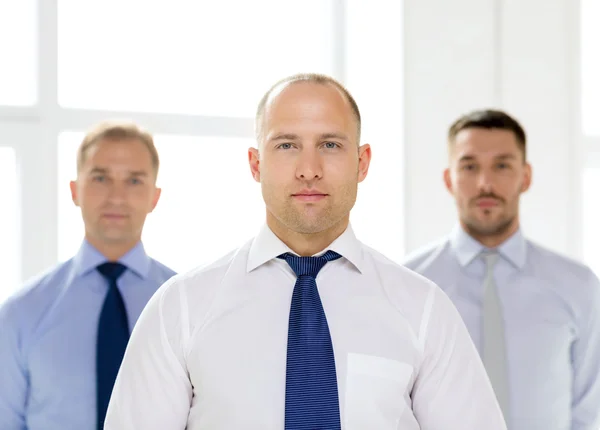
x: 585, y: 148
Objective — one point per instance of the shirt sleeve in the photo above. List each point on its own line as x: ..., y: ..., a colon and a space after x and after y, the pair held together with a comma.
x: 585, y: 354
x: 452, y: 389
x: 153, y: 390
x: 14, y: 387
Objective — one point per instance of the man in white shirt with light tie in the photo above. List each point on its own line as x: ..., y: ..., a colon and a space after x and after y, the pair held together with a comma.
x: 532, y: 313
x: 303, y: 327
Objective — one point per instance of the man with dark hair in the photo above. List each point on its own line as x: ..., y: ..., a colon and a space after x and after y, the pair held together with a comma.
x: 532, y: 313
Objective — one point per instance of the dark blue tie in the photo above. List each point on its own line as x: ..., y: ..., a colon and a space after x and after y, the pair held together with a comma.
x: 311, y: 394
x: 113, y: 334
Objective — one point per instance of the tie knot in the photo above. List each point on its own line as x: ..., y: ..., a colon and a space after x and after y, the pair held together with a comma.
x: 308, y: 265
x: 490, y: 258
x: 111, y: 271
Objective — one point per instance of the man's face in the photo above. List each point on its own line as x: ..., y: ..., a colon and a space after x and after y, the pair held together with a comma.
x: 486, y: 176
x: 115, y: 190
x: 308, y: 162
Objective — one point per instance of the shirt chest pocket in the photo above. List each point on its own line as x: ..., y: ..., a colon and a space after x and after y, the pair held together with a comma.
x: 376, y: 392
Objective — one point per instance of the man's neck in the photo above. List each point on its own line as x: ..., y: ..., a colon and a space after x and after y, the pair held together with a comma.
x: 306, y: 245
x: 112, y: 251
x: 495, y: 240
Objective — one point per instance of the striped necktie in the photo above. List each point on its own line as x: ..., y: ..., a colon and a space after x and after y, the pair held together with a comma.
x: 311, y: 392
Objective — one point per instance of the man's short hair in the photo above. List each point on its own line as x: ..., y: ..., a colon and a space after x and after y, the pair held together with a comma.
x: 489, y: 119
x: 305, y: 77
x: 117, y: 130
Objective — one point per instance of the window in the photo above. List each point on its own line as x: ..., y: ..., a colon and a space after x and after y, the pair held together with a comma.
x: 9, y: 222
x: 192, y: 72
x: 187, y: 56
x: 591, y: 215
x: 590, y: 67
x: 18, y: 83
x: 210, y: 204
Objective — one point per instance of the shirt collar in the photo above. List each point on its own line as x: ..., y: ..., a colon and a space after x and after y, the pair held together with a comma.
x: 467, y: 248
x: 267, y: 246
x: 88, y: 258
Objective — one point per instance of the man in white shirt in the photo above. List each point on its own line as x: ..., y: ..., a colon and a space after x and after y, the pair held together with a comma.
x: 250, y: 342
x: 532, y: 313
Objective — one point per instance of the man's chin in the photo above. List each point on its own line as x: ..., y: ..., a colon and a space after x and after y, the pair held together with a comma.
x: 310, y: 228
x: 488, y: 228
x: 116, y: 237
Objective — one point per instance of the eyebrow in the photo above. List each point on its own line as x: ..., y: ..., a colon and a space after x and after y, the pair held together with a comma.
x: 497, y: 157
x: 284, y: 136
x: 338, y: 136
x: 292, y: 136
x: 104, y: 171
x: 98, y: 170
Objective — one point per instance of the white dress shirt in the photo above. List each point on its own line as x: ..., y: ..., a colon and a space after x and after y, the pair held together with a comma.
x: 209, y: 350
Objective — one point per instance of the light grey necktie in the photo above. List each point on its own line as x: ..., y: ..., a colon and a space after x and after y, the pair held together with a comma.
x: 494, y: 341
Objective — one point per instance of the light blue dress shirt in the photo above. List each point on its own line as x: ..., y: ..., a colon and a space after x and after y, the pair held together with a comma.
x: 552, y: 324
x: 48, y: 339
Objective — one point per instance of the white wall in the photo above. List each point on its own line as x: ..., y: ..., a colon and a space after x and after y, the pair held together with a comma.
x: 516, y: 55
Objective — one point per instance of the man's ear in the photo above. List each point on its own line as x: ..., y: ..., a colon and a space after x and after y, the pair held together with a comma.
x: 527, y: 178
x: 156, y: 198
x: 74, y: 195
x: 364, y: 161
x: 254, y: 162
x: 448, y: 181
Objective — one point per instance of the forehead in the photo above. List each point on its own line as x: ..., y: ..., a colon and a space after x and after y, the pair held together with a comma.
x: 482, y: 142
x: 309, y: 106
x: 118, y: 153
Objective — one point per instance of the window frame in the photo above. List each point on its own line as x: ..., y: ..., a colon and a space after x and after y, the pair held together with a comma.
x: 586, y: 148
x: 13, y: 142
x: 34, y: 131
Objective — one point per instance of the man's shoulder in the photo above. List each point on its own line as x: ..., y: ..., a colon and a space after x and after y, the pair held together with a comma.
x: 558, y: 264
x: 572, y: 280
x: 419, y: 257
x: 161, y: 272
x: 37, y: 292
x: 410, y: 292
x: 396, y: 276
x: 209, y: 274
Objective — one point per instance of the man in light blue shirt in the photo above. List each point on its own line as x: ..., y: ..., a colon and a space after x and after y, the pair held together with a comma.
x: 63, y: 335
x: 533, y: 314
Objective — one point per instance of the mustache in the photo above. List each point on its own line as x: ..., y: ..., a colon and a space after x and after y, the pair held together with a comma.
x: 487, y: 196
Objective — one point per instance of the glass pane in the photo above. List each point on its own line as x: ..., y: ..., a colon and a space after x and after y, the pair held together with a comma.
x: 591, y: 215
x: 187, y: 56
x: 590, y: 66
x: 9, y: 224
x: 206, y: 209
x: 18, y: 51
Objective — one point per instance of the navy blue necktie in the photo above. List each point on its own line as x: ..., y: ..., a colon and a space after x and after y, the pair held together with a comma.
x: 113, y: 335
x: 311, y: 394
